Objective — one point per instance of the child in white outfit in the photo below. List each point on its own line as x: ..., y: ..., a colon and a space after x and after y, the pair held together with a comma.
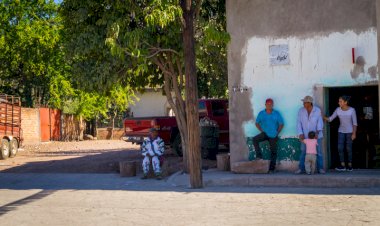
x: 152, y: 148
x: 311, y: 153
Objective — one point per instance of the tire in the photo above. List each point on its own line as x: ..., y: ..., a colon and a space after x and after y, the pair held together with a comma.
x: 212, y: 154
x: 4, y: 149
x: 13, y: 146
x: 177, y: 145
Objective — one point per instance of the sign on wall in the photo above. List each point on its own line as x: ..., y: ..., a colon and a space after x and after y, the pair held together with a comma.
x: 279, y: 55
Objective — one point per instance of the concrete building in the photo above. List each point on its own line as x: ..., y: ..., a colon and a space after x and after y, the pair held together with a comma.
x: 287, y: 49
x: 150, y: 103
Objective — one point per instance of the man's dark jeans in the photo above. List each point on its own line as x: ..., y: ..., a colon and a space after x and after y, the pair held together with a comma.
x: 273, y: 148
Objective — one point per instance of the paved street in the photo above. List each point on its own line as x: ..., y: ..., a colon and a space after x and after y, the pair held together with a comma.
x: 107, y: 199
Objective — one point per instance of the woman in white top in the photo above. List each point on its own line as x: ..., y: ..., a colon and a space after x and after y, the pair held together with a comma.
x: 346, y: 131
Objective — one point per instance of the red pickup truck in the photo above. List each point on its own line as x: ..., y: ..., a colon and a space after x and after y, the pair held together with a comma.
x: 136, y: 129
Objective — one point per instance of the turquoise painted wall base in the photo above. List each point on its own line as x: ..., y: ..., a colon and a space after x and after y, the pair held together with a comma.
x: 287, y: 149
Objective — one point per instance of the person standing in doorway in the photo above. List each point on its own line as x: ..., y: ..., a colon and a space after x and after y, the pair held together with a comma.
x: 369, y: 126
x: 270, y: 123
x: 310, y: 119
x: 346, y: 131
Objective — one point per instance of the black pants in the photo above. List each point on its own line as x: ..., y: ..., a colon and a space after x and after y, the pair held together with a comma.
x: 273, y: 148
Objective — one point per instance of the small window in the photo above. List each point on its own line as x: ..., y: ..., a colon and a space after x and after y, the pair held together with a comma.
x: 217, y: 108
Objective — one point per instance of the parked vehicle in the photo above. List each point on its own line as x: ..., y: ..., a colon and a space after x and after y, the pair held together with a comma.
x: 136, y: 129
x: 10, y: 125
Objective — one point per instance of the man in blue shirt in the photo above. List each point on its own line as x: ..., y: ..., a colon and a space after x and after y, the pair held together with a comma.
x: 310, y: 119
x: 270, y: 123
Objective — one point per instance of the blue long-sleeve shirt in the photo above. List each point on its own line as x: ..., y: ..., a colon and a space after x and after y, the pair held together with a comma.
x: 312, y: 122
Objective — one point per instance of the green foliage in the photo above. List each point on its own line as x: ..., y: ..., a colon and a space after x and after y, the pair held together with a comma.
x: 30, y: 51
x: 162, y: 13
x: 211, y: 51
x: 89, y: 30
x: 114, y: 42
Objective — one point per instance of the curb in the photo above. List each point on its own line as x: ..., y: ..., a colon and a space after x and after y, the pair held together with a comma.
x: 330, y: 180
x: 322, y: 181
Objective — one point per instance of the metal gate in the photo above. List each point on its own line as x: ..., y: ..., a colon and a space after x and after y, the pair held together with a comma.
x: 50, y: 120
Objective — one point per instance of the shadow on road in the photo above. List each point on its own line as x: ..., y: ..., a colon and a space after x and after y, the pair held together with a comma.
x: 14, y: 205
x: 98, y: 170
x: 84, y: 161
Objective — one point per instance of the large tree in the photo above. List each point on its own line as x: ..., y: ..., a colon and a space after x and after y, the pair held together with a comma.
x: 30, y: 51
x: 153, y: 42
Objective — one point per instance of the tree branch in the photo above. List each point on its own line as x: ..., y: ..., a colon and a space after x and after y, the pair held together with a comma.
x: 177, y: 89
x: 180, y: 72
x: 198, y: 9
x: 159, y: 50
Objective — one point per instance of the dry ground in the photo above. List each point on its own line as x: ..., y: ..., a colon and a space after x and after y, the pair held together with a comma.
x: 98, y: 156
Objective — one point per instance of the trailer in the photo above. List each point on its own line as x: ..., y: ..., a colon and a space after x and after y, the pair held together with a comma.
x: 10, y: 125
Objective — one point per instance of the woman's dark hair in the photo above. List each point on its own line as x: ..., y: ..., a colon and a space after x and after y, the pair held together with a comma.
x: 311, y: 135
x: 345, y: 98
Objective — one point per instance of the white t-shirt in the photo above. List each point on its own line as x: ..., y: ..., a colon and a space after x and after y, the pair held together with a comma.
x: 347, y: 119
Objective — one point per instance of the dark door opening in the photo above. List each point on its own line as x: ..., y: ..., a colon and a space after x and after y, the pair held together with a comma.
x: 365, y: 100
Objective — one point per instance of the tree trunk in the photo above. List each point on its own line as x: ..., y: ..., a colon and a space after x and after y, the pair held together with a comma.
x: 113, y: 124
x: 95, y: 127
x: 191, y: 91
x: 81, y: 129
x: 178, y: 107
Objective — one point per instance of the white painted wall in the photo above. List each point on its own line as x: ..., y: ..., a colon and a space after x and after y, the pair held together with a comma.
x: 150, y: 103
x: 314, y: 61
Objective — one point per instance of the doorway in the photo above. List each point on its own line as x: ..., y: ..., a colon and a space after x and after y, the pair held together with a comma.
x: 50, y: 123
x: 365, y: 100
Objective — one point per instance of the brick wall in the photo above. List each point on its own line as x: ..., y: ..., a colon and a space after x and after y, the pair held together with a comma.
x: 30, y: 125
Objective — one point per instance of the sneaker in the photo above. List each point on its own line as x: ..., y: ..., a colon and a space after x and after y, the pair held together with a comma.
x: 308, y: 173
x: 259, y: 157
x: 271, y: 171
x: 158, y: 177
x: 350, y: 169
x: 340, y: 168
x: 321, y: 171
x: 144, y: 177
x: 299, y: 172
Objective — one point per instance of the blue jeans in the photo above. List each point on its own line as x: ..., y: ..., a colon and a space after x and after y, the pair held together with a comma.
x: 319, y: 156
x: 344, y: 139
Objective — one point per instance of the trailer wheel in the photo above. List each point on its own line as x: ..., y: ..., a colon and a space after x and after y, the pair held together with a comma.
x: 13, y: 146
x: 177, y: 145
x: 4, y: 149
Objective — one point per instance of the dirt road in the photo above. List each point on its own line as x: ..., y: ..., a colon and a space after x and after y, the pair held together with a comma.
x: 99, y: 156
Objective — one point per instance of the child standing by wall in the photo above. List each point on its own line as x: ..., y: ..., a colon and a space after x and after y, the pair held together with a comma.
x: 311, y: 152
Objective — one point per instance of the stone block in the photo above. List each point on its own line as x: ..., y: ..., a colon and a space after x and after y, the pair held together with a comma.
x: 223, y: 162
x: 287, y: 166
x: 255, y: 166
